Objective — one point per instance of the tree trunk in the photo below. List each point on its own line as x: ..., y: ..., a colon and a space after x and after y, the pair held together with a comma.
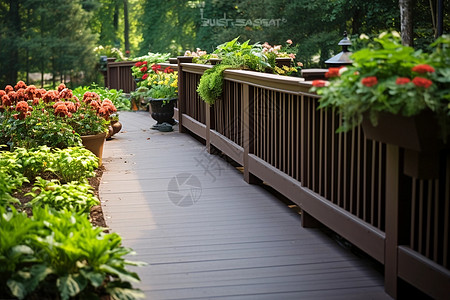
x: 14, y: 31
x: 406, y: 22
x: 116, y: 24
x: 126, y: 31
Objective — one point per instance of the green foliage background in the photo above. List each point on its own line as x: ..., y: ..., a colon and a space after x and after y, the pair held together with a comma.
x: 57, y: 37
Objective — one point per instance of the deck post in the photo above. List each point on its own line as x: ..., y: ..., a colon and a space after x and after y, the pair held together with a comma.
x: 182, y: 86
x: 210, y: 125
x: 247, y: 111
x: 398, y: 212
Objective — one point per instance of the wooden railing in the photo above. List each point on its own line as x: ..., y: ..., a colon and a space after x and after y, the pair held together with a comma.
x: 119, y: 76
x: 271, y: 126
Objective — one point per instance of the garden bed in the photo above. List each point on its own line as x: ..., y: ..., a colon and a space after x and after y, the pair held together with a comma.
x: 96, y: 214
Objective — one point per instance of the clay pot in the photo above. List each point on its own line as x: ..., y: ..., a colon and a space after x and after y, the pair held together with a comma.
x: 116, y: 126
x: 94, y: 143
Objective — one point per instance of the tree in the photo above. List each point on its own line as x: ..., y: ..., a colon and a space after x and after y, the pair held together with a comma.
x: 406, y: 22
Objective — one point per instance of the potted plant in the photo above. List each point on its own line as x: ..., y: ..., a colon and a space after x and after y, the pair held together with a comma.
x: 56, y: 118
x: 162, y: 96
x: 142, y: 67
x: 391, y: 88
x: 236, y: 55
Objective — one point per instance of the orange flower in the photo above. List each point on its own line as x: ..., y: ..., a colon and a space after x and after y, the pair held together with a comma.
x: 20, y: 85
x: 65, y: 93
x: 61, y: 109
x: 8, y: 89
x: 6, y: 101
x: 61, y: 87
x: 22, y: 106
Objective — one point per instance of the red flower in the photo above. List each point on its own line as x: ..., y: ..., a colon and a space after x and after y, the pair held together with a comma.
x: 422, y: 69
x: 143, y: 69
x: 156, y: 68
x: 168, y: 70
x: 144, y: 62
x: 2, y: 93
x: 402, y: 80
x: 332, y: 72
x: 145, y: 76
x: 138, y: 64
x: 319, y: 83
x: 422, y: 82
x: 369, y: 81
x: 127, y: 52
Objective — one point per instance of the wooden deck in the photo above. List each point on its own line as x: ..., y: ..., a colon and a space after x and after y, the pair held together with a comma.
x: 206, y: 234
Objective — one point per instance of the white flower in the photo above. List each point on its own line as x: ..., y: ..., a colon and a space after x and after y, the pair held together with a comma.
x: 382, y: 35
x: 395, y: 34
x: 363, y: 37
x: 342, y: 70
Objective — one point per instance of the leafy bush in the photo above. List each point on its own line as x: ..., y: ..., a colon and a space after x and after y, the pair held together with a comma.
x: 40, y: 128
x: 116, y: 96
x: 210, y: 87
x: 74, y: 164
x: 10, y: 177
x: 34, y: 161
x: 59, y: 255
x: 74, y: 196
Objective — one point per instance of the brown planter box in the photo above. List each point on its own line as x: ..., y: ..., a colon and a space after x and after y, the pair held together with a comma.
x: 418, y: 135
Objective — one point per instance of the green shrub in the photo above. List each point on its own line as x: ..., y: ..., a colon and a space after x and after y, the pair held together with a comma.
x: 60, y: 255
x: 34, y: 161
x: 10, y: 177
x: 74, y: 196
x: 74, y: 164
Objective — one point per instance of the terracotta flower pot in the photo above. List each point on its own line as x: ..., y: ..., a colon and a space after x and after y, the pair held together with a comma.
x: 94, y: 143
x: 418, y: 135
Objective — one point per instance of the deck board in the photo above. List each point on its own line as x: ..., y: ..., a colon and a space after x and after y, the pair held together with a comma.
x: 236, y: 241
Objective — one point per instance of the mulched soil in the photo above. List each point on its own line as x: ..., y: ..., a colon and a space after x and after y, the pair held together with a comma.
x: 96, y: 214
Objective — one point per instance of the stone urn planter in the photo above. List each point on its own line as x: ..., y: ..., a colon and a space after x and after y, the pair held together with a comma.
x: 418, y: 135
x: 162, y: 111
x: 94, y: 143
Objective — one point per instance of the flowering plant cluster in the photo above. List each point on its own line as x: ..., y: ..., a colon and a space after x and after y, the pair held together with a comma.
x: 200, y: 56
x: 143, y: 66
x: 255, y: 57
x: 389, y: 77
x: 109, y: 51
x: 31, y: 117
x: 163, y: 83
